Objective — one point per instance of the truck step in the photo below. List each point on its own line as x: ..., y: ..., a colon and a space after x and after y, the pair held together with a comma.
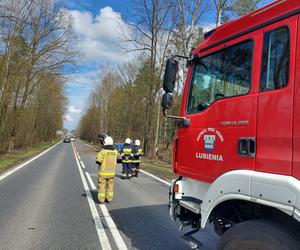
x: 190, y: 205
x: 191, y: 241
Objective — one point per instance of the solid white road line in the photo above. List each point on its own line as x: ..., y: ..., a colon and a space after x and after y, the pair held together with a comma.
x: 110, y: 223
x: 143, y: 171
x: 82, y: 164
x: 113, y: 229
x: 25, y: 163
x: 104, y: 242
x: 90, y: 181
x: 92, y: 147
x: 156, y: 178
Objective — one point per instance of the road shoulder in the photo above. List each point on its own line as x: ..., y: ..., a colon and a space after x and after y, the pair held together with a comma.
x: 16, y: 162
x: 161, y: 171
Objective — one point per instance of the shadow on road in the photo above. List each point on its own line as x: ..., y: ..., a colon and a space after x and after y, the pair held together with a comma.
x: 150, y: 227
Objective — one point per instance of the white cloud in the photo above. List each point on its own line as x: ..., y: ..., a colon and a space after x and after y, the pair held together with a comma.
x: 208, y: 26
x: 68, y: 118
x: 99, y: 40
x: 86, y: 79
x: 73, y: 109
x: 100, y: 37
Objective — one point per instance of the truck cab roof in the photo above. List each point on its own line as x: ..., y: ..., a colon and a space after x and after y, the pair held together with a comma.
x: 264, y: 16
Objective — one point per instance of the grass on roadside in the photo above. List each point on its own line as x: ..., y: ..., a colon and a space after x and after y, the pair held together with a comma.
x: 158, y: 168
x: 9, y: 160
x: 97, y: 146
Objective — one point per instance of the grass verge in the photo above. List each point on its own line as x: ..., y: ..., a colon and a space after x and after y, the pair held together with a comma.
x: 160, y: 169
x: 97, y: 146
x: 9, y: 160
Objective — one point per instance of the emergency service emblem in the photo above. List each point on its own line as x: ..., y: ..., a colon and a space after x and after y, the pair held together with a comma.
x: 209, y: 138
x: 209, y: 142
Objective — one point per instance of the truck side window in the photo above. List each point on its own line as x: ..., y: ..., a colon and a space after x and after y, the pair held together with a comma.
x: 225, y: 73
x: 275, y: 59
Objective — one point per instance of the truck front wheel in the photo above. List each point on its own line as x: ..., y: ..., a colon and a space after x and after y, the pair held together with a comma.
x: 258, y: 235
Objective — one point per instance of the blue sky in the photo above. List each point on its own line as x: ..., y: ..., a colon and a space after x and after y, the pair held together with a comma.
x: 98, y: 25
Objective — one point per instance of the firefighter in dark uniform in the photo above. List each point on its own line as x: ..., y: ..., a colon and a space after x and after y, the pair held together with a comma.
x: 127, y: 156
x: 137, y: 155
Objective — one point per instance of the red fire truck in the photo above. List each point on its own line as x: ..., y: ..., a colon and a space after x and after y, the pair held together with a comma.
x: 237, y: 150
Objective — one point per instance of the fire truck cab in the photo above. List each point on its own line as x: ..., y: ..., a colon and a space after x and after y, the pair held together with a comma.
x: 237, y: 150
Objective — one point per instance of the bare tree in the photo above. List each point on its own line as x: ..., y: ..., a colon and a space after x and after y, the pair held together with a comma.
x: 219, y: 7
x: 189, y: 14
x: 149, y: 35
x: 36, y: 38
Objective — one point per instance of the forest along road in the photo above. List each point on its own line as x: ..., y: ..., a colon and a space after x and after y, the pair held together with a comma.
x: 51, y: 203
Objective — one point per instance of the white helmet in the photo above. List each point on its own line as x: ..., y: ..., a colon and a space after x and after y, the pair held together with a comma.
x: 128, y: 141
x: 137, y: 142
x: 108, y: 141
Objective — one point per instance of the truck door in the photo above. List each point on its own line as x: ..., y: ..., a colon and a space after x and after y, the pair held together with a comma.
x: 275, y: 102
x: 221, y: 102
x: 296, y: 128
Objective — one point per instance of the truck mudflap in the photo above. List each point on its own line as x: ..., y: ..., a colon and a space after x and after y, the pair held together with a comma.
x: 182, y: 207
x: 173, y: 203
x: 173, y: 211
x: 177, y: 206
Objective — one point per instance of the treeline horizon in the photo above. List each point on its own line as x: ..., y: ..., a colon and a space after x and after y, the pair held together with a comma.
x: 35, y: 39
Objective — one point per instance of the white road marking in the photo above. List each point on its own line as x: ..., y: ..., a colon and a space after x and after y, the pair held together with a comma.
x: 26, y: 163
x: 156, y: 178
x: 90, y: 181
x: 110, y: 223
x: 113, y: 229
x: 104, y: 242
x: 143, y: 171
x: 82, y: 164
x: 92, y: 147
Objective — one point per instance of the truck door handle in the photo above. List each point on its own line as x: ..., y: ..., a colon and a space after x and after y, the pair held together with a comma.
x: 247, y: 146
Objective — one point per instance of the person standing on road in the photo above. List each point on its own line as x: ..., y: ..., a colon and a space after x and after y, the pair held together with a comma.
x: 127, y: 155
x: 137, y: 155
x: 107, y: 161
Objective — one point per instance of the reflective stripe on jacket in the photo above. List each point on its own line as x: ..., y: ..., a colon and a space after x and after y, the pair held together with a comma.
x: 137, y: 154
x: 126, y: 153
x: 108, y: 160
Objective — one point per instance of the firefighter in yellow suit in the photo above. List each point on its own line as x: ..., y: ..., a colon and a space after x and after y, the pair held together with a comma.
x: 107, y: 160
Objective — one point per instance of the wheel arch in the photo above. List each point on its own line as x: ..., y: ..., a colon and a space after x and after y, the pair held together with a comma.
x: 264, y: 189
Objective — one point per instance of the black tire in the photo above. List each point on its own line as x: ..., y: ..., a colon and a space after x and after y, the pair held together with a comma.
x: 259, y: 235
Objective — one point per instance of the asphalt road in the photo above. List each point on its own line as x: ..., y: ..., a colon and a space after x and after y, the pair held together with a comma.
x: 51, y: 203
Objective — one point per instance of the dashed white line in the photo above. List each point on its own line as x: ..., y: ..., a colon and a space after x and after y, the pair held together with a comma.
x: 144, y: 172
x: 113, y: 229
x: 110, y: 223
x: 104, y: 242
x: 82, y: 164
x: 90, y: 181
x: 26, y: 163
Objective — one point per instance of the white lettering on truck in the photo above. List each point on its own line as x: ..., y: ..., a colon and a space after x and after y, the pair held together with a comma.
x: 210, y: 157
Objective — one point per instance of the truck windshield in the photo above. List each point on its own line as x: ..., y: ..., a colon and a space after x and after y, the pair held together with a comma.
x: 225, y: 73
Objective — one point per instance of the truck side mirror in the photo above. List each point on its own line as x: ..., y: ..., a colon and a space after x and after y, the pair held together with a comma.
x: 170, y: 75
x: 167, y: 101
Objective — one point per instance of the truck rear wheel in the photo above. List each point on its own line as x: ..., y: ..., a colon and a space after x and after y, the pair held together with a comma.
x: 258, y: 235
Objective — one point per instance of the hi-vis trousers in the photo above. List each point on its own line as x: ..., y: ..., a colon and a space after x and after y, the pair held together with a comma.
x: 105, y: 188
